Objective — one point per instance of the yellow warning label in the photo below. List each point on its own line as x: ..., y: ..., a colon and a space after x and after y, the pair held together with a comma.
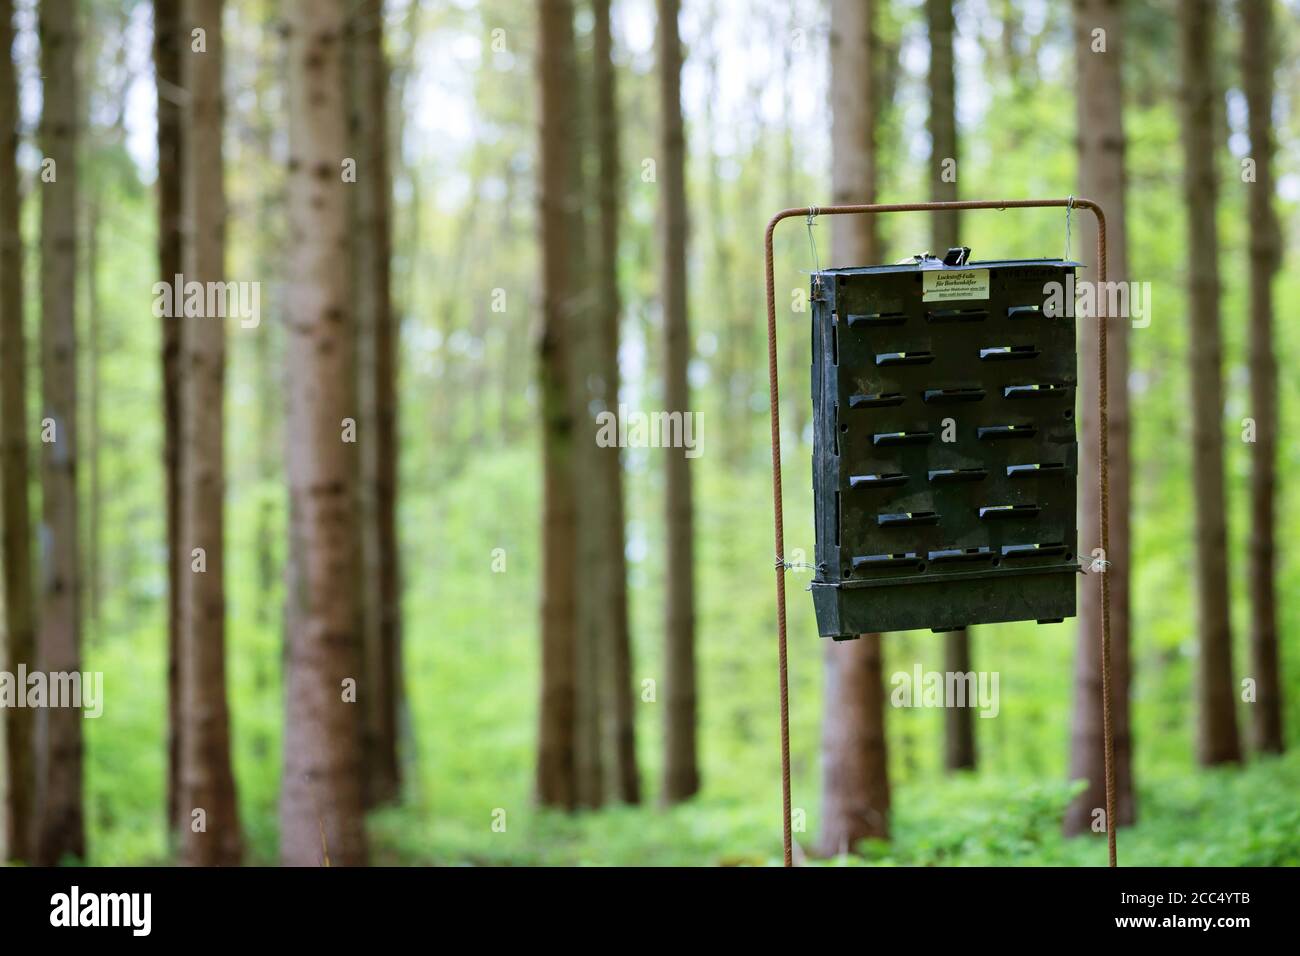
x: 944, y: 285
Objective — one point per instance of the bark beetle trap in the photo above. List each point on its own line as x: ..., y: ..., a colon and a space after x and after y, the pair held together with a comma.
x: 944, y: 449
x: 904, y: 357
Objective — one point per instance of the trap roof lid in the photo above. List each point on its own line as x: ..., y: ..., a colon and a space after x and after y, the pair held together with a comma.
x: 932, y: 264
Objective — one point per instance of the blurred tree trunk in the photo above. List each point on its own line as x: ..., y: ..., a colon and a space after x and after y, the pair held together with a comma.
x: 1101, y: 147
x: 855, y: 776
x: 942, y: 124
x: 591, y: 647
x: 557, y: 198
x: 402, y: 74
x: 796, y: 410
x: 681, y: 769
x: 1217, y: 736
x: 1258, y: 60
x: 320, y: 802
x: 59, y: 732
x: 1008, y: 15
x: 959, y: 723
x: 94, y: 330
x: 207, y: 782
x: 855, y: 240
x: 377, y: 419
x: 167, y: 66
x: 732, y: 443
x: 855, y: 767
x: 267, y: 355
x: 19, y: 620
x: 609, y: 516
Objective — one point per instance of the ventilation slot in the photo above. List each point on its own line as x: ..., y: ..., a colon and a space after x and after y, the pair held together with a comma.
x: 874, y: 562
x: 951, y: 396
x: 1034, y: 470
x: 998, y: 432
x: 902, y: 438
x: 877, y: 481
x: 907, y: 519
x: 1024, y: 312
x: 904, y: 358
x: 1008, y: 353
x: 1007, y: 512
x: 957, y: 315
x: 956, y: 475
x: 1033, y: 391
x: 953, y: 555
x: 1032, y: 550
x: 876, y: 400
x: 877, y: 319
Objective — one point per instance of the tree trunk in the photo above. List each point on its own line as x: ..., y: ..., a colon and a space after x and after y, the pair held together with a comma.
x: 855, y: 767
x: 958, y: 722
x: 19, y: 621
x: 1257, y: 63
x: 1217, y: 736
x: 591, y: 657
x: 377, y: 391
x: 855, y: 778
x: 94, y: 329
x: 681, y: 769
x: 624, y: 781
x: 166, y: 52
x: 557, y: 197
x: 59, y: 737
x: 207, y: 782
x: 943, y: 125
x: 320, y: 802
x: 1101, y: 147
x: 855, y: 240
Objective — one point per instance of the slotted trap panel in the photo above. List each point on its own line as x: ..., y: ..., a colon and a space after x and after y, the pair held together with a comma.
x: 944, y: 451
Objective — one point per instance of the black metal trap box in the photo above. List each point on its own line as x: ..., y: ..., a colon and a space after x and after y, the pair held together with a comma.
x: 944, y: 449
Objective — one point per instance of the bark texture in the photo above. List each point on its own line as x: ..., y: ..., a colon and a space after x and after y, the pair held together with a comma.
x: 59, y: 730
x: 855, y: 761
x: 321, y: 799
x: 681, y: 763
x: 377, y: 408
x: 207, y: 782
x: 855, y: 240
x: 855, y: 768
x: 591, y: 692
x: 167, y: 67
x: 1258, y: 61
x: 958, y: 722
x: 1101, y: 148
x: 624, y: 782
x: 557, y: 198
x: 19, y: 610
x: 1217, y: 740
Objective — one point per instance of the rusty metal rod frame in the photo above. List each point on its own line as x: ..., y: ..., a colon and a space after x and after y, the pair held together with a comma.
x: 1103, y: 464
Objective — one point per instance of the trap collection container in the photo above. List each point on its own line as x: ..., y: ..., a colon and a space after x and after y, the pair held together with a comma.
x: 945, y: 457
